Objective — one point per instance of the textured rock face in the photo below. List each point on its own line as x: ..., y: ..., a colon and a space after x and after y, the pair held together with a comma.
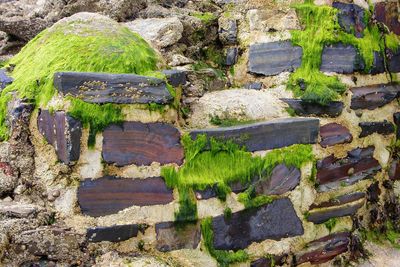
x: 268, y: 261
x: 341, y: 58
x: 282, y: 180
x: 374, y: 96
x: 112, y: 88
x: 227, y: 31
x: 302, y: 108
x: 231, y: 56
x: 63, y: 132
x: 141, y: 144
x: 380, y: 127
x: 272, y: 221
x: 333, y: 134
x: 8, y: 178
x: 351, y: 18
x: 396, y: 119
x: 17, y: 210
x: 387, y: 13
x: 169, y: 237
x: 394, y: 170
x: 108, y: 195
x: 115, y: 233
x: 4, y: 79
x: 175, y: 77
x: 274, y: 58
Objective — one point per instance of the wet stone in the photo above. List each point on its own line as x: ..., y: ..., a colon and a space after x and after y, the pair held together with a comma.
x: 227, y: 32
x: 269, y: 261
x: 231, y: 56
x: 341, y: 58
x: 112, y: 88
x: 333, y: 134
x: 351, y: 18
x: 374, y: 96
x: 254, y: 86
x: 303, y: 108
x: 171, y: 237
x: 272, y: 221
x: 394, y: 170
x: 380, y: 127
x: 387, y: 13
x: 393, y: 60
x: 109, y: 194
x: 175, y: 77
x: 116, y: 233
x: 396, y: 119
x: 282, y: 180
x: 4, y: 79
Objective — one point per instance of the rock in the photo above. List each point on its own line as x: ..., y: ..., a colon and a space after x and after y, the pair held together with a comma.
x: 387, y: 13
x: 108, y: 195
x: 393, y: 60
x: 374, y: 96
x: 351, y: 18
x: 115, y: 233
x: 254, y: 86
x: 62, y: 132
x: 378, y: 65
x: 171, y: 237
x: 380, y: 127
x: 272, y: 221
x: 272, y: 19
x: 333, y: 134
x: 162, y: 32
x: 209, y: 192
x: 394, y: 170
x: 227, y: 31
x: 396, y: 119
x: 141, y: 144
x: 267, y: 135
x: 341, y: 58
x: 269, y: 261
x: 17, y: 210
x: 4, y: 79
x: 303, y: 108
x: 333, y: 173
x: 112, y: 88
x: 273, y: 58
x: 8, y: 179
x: 231, y: 56
x: 179, y: 60
x: 175, y: 77
x: 346, y: 205
x: 282, y: 180
x: 24, y: 28
x: 373, y: 192
x: 204, y: 80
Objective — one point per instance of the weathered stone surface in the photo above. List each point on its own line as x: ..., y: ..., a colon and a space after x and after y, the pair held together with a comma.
x: 8, y: 179
x: 63, y: 132
x: 282, y: 180
x: 274, y: 58
x: 396, y: 119
x: 333, y: 134
x: 351, y: 18
x: 358, y: 165
x: 374, y: 96
x: 4, y: 79
x: 231, y: 56
x: 272, y: 221
x: 227, y: 31
x: 254, y: 86
x: 303, y: 108
x: 345, y: 205
x: 116, y: 233
x: 341, y: 58
x: 380, y: 127
x: 394, y: 170
x: 324, y: 249
x: 112, y: 88
x: 17, y: 210
x: 141, y: 144
x: 393, y: 60
x: 108, y: 195
x: 268, y: 135
x: 209, y: 192
x: 378, y: 65
x: 175, y: 77
x: 387, y: 13
x: 169, y: 237
x: 269, y: 261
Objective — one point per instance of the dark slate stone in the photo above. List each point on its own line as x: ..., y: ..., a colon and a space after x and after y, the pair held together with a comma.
x: 378, y: 65
x: 112, y: 88
x: 141, y: 144
x: 108, y: 195
x: 351, y: 18
x: 4, y: 79
x: 254, y: 86
x: 231, y: 56
x: 175, y: 77
x: 273, y: 58
x: 373, y: 192
x: 116, y: 233
x: 269, y: 261
x: 359, y: 164
x: 272, y: 221
x: 345, y: 205
x: 333, y: 134
x: 341, y: 58
x: 324, y: 249
x: 171, y: 237
x: 63, y: 132
x: 268, y: 135
x: 388, y: 14
x: 209, y: 192
x: 396, y: 119
x: 380, y: 127
x: 393, y: 60
x: 394, y: 170
x: 374, y: 96
x: 303, y: 108
x: 282, y: 180
x: 228, y: 32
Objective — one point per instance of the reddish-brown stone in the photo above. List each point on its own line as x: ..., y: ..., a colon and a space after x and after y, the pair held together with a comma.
x: 170, y: 237
x: 282, y: 180
x: 333, y: 134
x: 388, y: 14
x: 374, y: 96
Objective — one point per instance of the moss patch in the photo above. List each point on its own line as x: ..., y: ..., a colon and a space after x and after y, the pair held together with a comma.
x: 217, y: 121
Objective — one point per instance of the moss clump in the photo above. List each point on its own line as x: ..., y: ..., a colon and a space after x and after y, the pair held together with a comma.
x: 187, y: 206
x: 331, y: 223
x: 217, y: 121
x: 388, y: 233
x: 207, y: 18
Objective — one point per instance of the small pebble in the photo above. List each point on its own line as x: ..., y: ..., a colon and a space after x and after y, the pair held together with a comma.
x: 359, y: 113
x: 7, y: 199
x: 350, y: 171
x: 23, y: 247
x: 51, y: 198
x: 56, y: 193
x: 20, y: 189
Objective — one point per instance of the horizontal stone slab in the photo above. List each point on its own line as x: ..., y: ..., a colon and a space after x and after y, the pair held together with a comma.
x: 303, y: 108
x: 108, y: 195
x: 142, y: 143
x: 112, y: 88
x: 282, y: 180
x: 171, y: 237
x: 273, y: 58
x: 380, y: 127
x: 115, y: 233
x: 17, y: 210
x: 62, y: 132
x: 374, y: 96
x: 267, y: 135
x: 256, y: 224
x: 341, y: 58
x: 333, y: 134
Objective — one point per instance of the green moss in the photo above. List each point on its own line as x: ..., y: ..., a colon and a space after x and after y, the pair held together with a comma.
x: 187, y: 206
x: 207, y: 18
x: 217, y: 121
x: 227, y: 213
x: 250, y: 200
x: 331, y: 223
x: 154, y: 107
x: 387, y: 233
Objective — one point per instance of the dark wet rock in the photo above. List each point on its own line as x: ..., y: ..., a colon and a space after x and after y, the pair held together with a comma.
x: 394, y: 170
x: 141, y: 144
x: 272, y: 221
x: 115, y: 233
x: 374, y: 96
x: 333, y: 134
x: 373, y: 192
x: 231, y: 56
x: 393, y: 60
x: 175, y: 77
x: 303, y: 108
x: 351, y: 18
x: 388, y: 14
x: 324, y: 249
x: 108, y: 195
x: 171, y: 237
x: 345, y: 205
x: 282, y: 180
x: 254, y: 86
x: 227, y: 31
x: 269, y: 261
x: 273, y: 58
x: 4, y: 79
x: 378, y: 65
x: 112, y: 88
x: 341, y: 58
x: 209, y: 192
x: 268, y: 135
x: 17, y: 210
x: 380, y: 127
x: 396, y: 119
x: 359, y: 164
x: 62, y: 132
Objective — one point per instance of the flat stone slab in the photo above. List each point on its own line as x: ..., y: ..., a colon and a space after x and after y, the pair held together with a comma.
x: 333, y: 134
x: 17, y: 210
x: 4, y: 79
x: 62, y: 132
x: 115, y: 233
x: 272, y: 221
x: 267, y: 135
x: 273, y: 58
x: 380, y: 127
x: 141, y: 144
x: 359, y: 164
x: 108, y: 195
x: 351, y: 18
x: 341, y: 58
x: 282, y: 180
x: 374, y: 96
x: 303, y: 108
x: 169, y: 237
x: 388, y: 14
x: 112, y: 88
